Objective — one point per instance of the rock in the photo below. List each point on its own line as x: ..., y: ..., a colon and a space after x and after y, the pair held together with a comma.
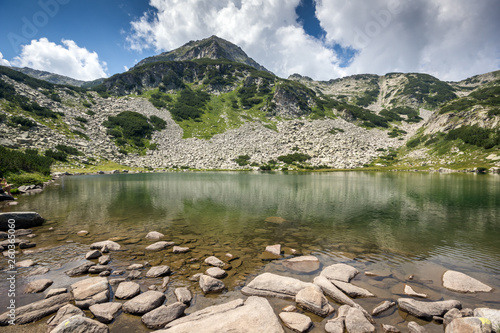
x: 469, y: 325
x: 209, y: 284
x: 275, y: 219
x: 195, y: 277
x: 90, y: 291
x: 165, y: 281
x: 302, y: 264
x: 135, y: 266
x: 290, y: 308
x: 158, y: 271
x: 36, y: 310
x: 113, y: 246
x: 180, y: 249
x: 82, y: 233
x: 38, y: 271
x: 81, y: 269
x: 255, y: 315
x: 460, y: 282
x: 385, y: 305
x: 62, y: 314
x: 96, y: 269
x: 216, y: 272
x: 356, y: 322
x: 390, y: 328
x: 154, y: 235
x: 25, y: 263
x: 37, y: 286
x: 26, y: 245
x: 183, y: 295
x: 104, y: 260
x: 23, y: 220
x: 491, y: 314
x: 413, y: 327
x: 274, y: 249
x: 335, y: 325
x: 80, y: 324
x: 55, y: 291
x: 163, y: 315
x: 272, y: 285
x: 452, y: 314
x: 116, y: 281
x: 158, y: 246
x: 105, y: 248
x: 134, y: 274
x: 127, y: 290
x: 295, y: 321
x: 330, y: 290
x: 340, y: 272
x: 144, y: 302
x: 410, y: 292
x: 214, y: 261
x: 427, y: 310
x: 312, y: 299
x: 352, y: 290
x: 94, y: 254
x: 105, y: 312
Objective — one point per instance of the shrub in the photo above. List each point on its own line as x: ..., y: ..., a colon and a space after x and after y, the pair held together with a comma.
x: 81, y: 119
x: 413, y: 143
x: 475, y: 135
x: 158, y: 123
x: 56, y: 155
x: 3, y: 117
x: 242, y: 160
x: 24, y: 123
x: 189, y: 104
x: 132, y: 125
x: 68, y: 150
x: 295, y: 157
x: 13, y: 161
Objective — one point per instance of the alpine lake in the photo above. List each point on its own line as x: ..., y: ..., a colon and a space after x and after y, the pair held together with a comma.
x: 405, y: 228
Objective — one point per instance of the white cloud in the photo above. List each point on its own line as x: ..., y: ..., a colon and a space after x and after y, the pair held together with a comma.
x: 452, y: 39
x: 3, y: 62
x: 68, y: 59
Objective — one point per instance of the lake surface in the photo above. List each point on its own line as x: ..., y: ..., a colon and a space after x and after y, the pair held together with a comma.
x: 392, y: 224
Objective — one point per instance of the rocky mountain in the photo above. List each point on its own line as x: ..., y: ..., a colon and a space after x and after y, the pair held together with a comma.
x: 217, y: 113
x: 56, y: 78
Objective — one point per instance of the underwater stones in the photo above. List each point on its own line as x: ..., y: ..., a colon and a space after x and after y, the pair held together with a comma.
x: 302, y: 264
x: 109, y: 244
x: 385, y: 305
x: 154, y: 235
x: 461, y: 282
x: 158, y: 246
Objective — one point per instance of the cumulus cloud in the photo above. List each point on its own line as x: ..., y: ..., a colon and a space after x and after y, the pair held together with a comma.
x: 3, y: 62
x: 451, y: 39
x: 67, y: 59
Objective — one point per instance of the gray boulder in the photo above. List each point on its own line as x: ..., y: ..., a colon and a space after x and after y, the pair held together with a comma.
x: 105, y: 312
x: 340, y: 272
x: 104, y: 260
x: 211, y: 285
x: 312, y: 299
x: 461, y: 282
x: 99, y: 269
x: 144, y: 302
x: 62, y: 314
x: 469, y: 325
x: 413, y: 327
x: 94, y: 254
x: 272, y: 285
x: 127, y: 290
x: 491, y: 314
x: 158, y: 246
x: 23, y: 220
x: 37, y: 286
x: 427, y: 310
x: 297, y: 322
x: 158, y: 271
x: 80, y: 270
x: 216, y: 272
x: 163, y: 315
x: 183, y: 295
x: 80, y: 324
x: 36, y: 310
x: 214, y: 261
x: 336, y: 325
x: 110, y: 245
x: 90, y: 291
x: 356, y: 322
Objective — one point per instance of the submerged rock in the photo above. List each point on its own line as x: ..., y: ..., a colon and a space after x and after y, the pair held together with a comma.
x: 302, y: 264
x: 112, y: 246
x: 158, y: 246
x: 154, y: 235
x: 272, y: 285
x: 214, y: 261
x: 385, y: 305
x: 427, y: 309
x: 461, y: 282
x: 410, y: 292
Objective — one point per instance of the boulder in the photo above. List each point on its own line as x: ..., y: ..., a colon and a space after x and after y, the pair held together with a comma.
x: 105, y: 312
x: 36, y: 310
x: 127, y: 290
x: 390, y: 329
x: 460, y: 282
x: 37, y: 286
x: 183, y: 295
x: 158, y: 246
x: 62, y: 314
x: 302, y: 264
x: 144, y: 302
x: 23, y: 220
x: 335, y: 325
x: 209, y: 284
x: 255, y: 315
x: 413, y: 327
x: 330, y: 290
x: 427, y: 310
x: 410, y: 292
x: 469, y: 325
x: 274, y: 249
x: 110, y: 245
x: 81, y: 269
x: 214, y: 261
x: 80, y: 324
x: 451, y: 315
x: 25, y: 263
x: 154, y: 235
x: 385, y: 305
x: 104, y: 260
x: 134, y: 274
x: 352, y: 290
x: 38, y: 271
x: 90, y: 291
x: 272, y: 285
x: 94, y: 254
x: 216, y: 272
x: 312, y: 299
x: 135, y: 266
x: 158, y: 271
x: 82, y: 233
x: 180, y: 249
x: 55, y: 291
x: 356, y: 322
x: 340, y: 272
x: 491, y: 314
x: 163, y: 315
x: 297, y: 322
x: 96, y: 269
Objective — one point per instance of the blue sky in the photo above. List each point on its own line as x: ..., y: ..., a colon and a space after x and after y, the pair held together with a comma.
x: 323, y: 39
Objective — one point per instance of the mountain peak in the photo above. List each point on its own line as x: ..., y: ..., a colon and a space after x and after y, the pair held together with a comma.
x: 212, y: 47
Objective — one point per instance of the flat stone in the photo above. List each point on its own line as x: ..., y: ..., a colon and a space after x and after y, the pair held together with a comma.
x: 90, y: 291
x: 158, y: 271
x: 469, y: 325
x: 104, y: 260
x: 144, y: 302
x: 352, y: 290
x: 214, y: 261
x: 209, y: 284
x: 460, y: 282
x: 356, y: 322
x: 296, y: 322
x: 385, y: 305
x: 38, y: 271
x: 413, y: 327
x: 492, y: 314
x: 25, y: 263
x: 274, y: 249
x: 81, y: 269
x: 158, y: 246
x: 24, y: 220
x: 302, y: 264
x: 330, y: 290
x: 135, y: 266
x: 82, y: 233
x: 99, y: 269
x: 134, y: 274
x: 427, y: 310
x: 110, y: 245
x: 36, y: 310
x: 272, y: 285
x: 390, y: 329
x: 311, y: 298
x: 163, y: 315
x: 255, y: 315
x: 62, y: 314
x: 216, y: 272
x: 340, y: 272
x: 180, y: 249
x: 154, y: 235
x: 79, y: 324
x: 55, y: 291
x: 127, y: 290
x: 37, y: 286
x: 105, y: 312
x: 335, y: 325
x: 183, y: 295
x: 94, y: 254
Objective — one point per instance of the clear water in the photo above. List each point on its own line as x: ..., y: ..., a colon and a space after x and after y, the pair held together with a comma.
x: 393, y: 224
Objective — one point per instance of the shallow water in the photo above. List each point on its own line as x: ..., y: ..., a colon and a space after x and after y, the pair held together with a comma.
x: 393, y: 224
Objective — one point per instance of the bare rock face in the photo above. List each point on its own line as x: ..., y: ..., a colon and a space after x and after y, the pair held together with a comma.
x: 38, y: 286
x: 144, y: 303
x: 272, y: 285
x: 105, y: 312
x: 302, y: 264
x: 127, y: 290
x: 463, y: 283
x: 340, y: 272
x: 90, y: 291
x: 312, y: 299
x: 297, y: 322
x: 163, y: 315
x: 80, y: 324
x: 62, y: 314
x: 37, y: 310
x: 211, y: 285
x: 470, y: 325
x: 427, y: 309
x: 356, y: 322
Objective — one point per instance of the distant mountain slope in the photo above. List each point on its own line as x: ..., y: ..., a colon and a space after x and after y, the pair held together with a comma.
x: 211, y: 48
x: 56, y: 78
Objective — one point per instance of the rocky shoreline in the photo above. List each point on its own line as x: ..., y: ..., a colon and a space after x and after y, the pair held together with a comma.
x: 99, y: 293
